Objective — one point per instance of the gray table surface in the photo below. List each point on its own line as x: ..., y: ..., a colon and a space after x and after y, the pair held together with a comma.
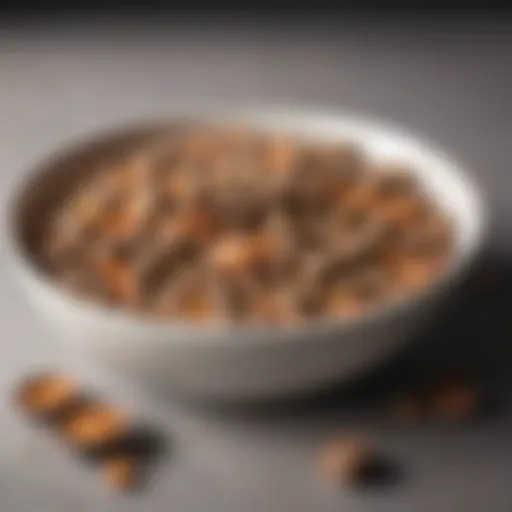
x: 451, y: 82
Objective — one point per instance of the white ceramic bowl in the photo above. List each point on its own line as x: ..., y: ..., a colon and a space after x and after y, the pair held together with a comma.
x: 246, y: 362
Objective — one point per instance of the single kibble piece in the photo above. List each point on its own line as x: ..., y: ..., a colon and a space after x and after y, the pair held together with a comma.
x: 282, y: 155
x: 46, y: 394
x: 345, y: 460
x: 361, y: 197
x: 413, y: 273
x: 395, y: 181
x: 95, y: 424
x: 407, y: 409
x: 343, y: 302
x: 120, y: 473
x: 404, y: 212
x: 456, y: 401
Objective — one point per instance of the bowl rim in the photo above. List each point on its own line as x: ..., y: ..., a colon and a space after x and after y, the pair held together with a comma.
x: 22, y: 261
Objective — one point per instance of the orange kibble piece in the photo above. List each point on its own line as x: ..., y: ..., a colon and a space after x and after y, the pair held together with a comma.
x: 344, y: 460
x: 343, y: 303
x: 281, y: 156
x: 46, y: 394
x: 85, y: 206
x: 121, y: 473
x: 118, y: 224
x: 180, y: 186
x: 200, y: 147
x: 95, y: 424
x: 415, y: 273
x: 122, y: 279
x: 200, y: 225
x: 404, y: 211
x: 231, y: 255
x: 360, y: 197
x: 197, y: 307
x: 240, y: 254
x: 274, y: 307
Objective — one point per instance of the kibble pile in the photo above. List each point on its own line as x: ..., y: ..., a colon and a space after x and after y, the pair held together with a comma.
x: 234, y: 226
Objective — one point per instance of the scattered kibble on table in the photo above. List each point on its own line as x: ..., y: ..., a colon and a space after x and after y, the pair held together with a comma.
x: 89, y: 426
x: 85, y: 424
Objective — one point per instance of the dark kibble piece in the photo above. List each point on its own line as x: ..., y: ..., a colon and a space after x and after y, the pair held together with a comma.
x: 407, y: 409
x: 456, y: 401
x: 235, y: 294
x: 241, y: 202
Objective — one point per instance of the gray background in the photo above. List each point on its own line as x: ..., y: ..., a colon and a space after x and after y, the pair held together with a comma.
x: 450, y: 81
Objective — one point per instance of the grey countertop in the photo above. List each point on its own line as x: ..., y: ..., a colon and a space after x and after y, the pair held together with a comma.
x: 451, y: 82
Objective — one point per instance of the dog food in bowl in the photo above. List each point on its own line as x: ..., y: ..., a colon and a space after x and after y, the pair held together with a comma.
x: 213, y: 225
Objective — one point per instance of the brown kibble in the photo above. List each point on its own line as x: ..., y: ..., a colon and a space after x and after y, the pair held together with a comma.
x: 122, y: 280
x: 414, y: 272
x: 85, y: 208
x: 407, y: 409
x: 118, y: 224
x: 346, y: 160
x: 282, y: 156
x: 120, y: 473
x: 404, y: 212
x: 200, y: 225
x: 360, y: 197
x: 247, y: 209
x: 395, y: 181
x: 46, y: 394
x: 200, y: 147
x: 456, y: 401
x: 237, y: 255
x: 196, y: 307
x: 95, y: 424
x: 430, y: 238
x: 231, y: 255
x: 275, y: 307
x: 179, y: 186
x: 186, y: 294
x: 345, y: 460
x: 344, y: 302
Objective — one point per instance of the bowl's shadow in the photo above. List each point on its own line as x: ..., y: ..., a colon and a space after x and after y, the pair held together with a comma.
x: 470, y: 338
